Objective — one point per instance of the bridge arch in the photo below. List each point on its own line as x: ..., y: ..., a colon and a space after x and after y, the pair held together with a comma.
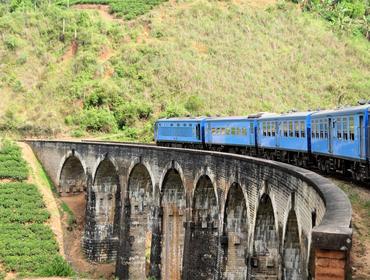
x: 140, y: 188
x: 204, y: 236
x: 71, y: 177
x: 173, y: 205
x: 294, y: 256
x: 105, y: 208
x: 235, y: 234
x: 265, y: 250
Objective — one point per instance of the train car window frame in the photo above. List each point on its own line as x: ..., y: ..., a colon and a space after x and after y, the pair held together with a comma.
x: 351, y: 128
x: 213, y: 129
x: 339, y: 128
x: 303, y: 129
x: 345, y: 128
x: 227, y: 131
x: 321, y: 129
x: 290, y: 127
x: 233, y: 132
x: 313, y: 127
x: 218, y: 130
x: 223, y: 131
x: 285, y: 129
x: 264, y: 128
x: 269, y: 129
x: 244, y: 131
x: 296, y: 129
x: 273, y: 129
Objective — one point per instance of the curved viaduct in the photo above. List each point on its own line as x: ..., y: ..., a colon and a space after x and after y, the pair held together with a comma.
x: 170, y: 213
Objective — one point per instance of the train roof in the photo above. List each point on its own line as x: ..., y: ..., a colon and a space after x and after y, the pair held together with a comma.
x: 182, y: 119
x: 340, y: 111
x: 235, y: 118
x: 292, y: 115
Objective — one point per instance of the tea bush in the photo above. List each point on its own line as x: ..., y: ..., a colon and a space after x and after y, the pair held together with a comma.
x: 12, y: 165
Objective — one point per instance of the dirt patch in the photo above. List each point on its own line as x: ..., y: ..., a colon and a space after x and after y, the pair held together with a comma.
x: 72, y: 240
x: 71, y: 52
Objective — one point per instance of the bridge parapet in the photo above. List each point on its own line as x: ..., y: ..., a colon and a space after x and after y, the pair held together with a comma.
x: 194, y: 214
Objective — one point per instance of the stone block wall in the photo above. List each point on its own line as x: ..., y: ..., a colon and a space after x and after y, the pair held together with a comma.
x: 180, y: 203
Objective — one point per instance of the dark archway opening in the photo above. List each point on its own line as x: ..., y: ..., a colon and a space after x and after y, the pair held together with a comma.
x: 173, y: 203
x: 264, y: 262
x: 72, y: 177
x: 235, y: 235
x: 204, y: 232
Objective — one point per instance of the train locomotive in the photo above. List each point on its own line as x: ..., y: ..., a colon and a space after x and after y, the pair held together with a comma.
x: 331, y: 140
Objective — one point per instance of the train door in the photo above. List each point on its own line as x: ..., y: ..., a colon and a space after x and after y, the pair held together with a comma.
x: 362, y: 136
x: 330, y: 135
x: 198, y: 131
x: 251, y: 133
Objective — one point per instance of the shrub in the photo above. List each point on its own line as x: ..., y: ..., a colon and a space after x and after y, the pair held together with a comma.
x: 96, y: 120
x: 194, y: 104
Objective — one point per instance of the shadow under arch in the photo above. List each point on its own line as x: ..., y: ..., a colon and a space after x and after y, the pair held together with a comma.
x: 203, y: 238
x: 72, y: 177
x: 293, y: 260
x: 139, y: 217
x: 235, y: 234
x: 103, y: 210
x: 265, y: 259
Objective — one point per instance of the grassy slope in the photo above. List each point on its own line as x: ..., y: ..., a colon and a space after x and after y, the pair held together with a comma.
x: 235, y: 58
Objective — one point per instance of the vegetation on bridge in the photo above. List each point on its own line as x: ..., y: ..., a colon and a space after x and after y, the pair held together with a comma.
x: 27, y: 244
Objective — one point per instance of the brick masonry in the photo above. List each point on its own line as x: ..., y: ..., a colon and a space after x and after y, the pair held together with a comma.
x: 183, y: 214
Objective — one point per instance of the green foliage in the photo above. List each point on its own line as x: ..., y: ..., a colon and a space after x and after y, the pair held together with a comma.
x: 130, y: 9
x: 27, y: 244
x: 96, y: 120
x: 345, y: 15
x: 12, y: 165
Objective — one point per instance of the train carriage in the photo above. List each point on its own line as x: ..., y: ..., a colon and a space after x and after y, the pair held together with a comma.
x: 180, y: 132
x: 231, y: 133
x: 285, y: 137
x: 340, y: 140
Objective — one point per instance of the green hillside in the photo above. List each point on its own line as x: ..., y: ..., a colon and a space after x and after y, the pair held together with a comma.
x: 68, y: 71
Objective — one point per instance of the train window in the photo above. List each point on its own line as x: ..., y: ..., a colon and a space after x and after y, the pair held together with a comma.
x: 322, y: 129
x: 290, y: 129
x: 351, y: 129
x: 233, y: 131
x: 317, y: 131
x: 326, y: 129
x: 171, y: 124
x: 227, y: 132
x: 313, y: 127
x: 213, y: 131
x: 251, y: 128
x: 244, y: 131
x: 303, y: 127
x: 345, y: 128
x: 219, y: 131
x: 178, y: 124
x: 296, y: 129
x: 339, y: 129
x: 285, y: 129
x: 223, y: 131
x: 273, y: 128
x: 268, y: 129
x: 264, y: 128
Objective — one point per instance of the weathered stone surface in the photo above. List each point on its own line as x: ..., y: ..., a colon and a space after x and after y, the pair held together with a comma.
x: 185, y: 214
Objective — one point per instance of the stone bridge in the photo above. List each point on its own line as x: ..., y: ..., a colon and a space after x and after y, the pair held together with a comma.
x: 168, y: 213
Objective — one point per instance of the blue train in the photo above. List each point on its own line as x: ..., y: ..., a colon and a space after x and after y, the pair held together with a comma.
x: 331, y: 140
